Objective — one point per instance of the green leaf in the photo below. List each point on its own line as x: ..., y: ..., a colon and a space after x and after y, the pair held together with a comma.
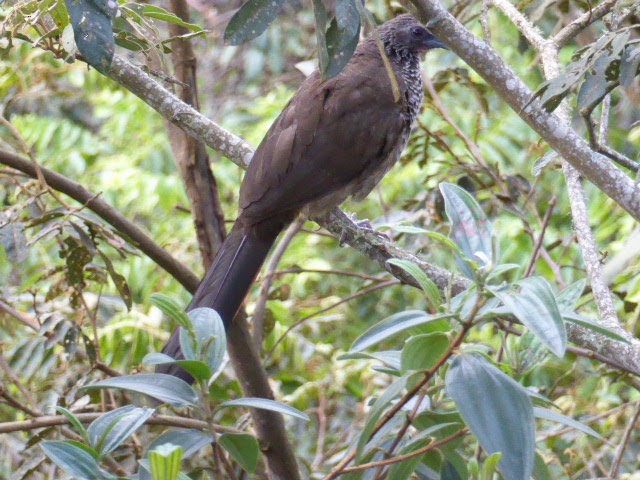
x: 156, y: 358
x: 448, y: 471
x: 498, y: 411
x: 547, y: 414
x: 320, y: 16
x: 535, y: 306
x: 393, y: 325
x: 189, y: 439
x: 590, y: 324
x: 166, y: 388
x: 108, y: 431
x: 422, y: 351
x: 161, y: 14
x: 540, y: 469
x: 73, y: 420
x: 74, y: 460
x: 427, y: 285
x: 390, y: 358
x: 92, y: 30
x: 164, y: 461
x: 489, y: 466
x: 377, y: 409
x: 209, y: 330
x: 265, y: 404
x: 342, y: 36
x: 243, y: 448
x: 251, y: 20
x: 118, y: 280
x: 402, y: 470
x: 171, y: 309
x: 568, y: 297
x: 470, y: 229
x: 629, y: 65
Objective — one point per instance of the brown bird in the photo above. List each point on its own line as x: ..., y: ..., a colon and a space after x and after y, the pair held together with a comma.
x: 336, y: 138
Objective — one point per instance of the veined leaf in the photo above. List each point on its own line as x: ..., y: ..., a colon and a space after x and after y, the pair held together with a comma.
x: 498, y: 411
x: 427, y: 285
x: 243, y: 448
x: 251, y: 20
x: 265, y: 404
x: 391, y: 326
x: 163, y: 387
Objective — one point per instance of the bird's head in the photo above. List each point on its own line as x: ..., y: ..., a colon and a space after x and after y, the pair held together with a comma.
x: 406, y: 34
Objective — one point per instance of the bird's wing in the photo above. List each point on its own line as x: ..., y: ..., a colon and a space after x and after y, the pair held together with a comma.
x: 328, y: 135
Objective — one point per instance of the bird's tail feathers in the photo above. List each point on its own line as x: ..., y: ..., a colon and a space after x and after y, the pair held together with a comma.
x: 226, y: 283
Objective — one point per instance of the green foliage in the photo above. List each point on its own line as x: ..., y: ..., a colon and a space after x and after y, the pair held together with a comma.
x: 88, y: 288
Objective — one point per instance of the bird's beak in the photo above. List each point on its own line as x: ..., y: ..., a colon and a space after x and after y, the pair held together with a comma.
x: 433, y: 42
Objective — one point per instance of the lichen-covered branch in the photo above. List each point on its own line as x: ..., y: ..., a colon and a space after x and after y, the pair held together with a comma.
x: 560, y: 136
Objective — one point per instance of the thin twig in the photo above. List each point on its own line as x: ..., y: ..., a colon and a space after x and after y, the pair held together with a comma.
x: 624, y: 441
x: 54, y: 420
x: 22, y: 317
x: 359, y: 293
x: 400, y: 458
x: 257, y: 319
x: 109, y: 214
x: 583, y: 21
x: 543, y: 228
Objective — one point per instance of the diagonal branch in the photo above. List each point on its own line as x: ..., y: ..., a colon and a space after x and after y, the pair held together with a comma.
x: 109, y: 214
x: 558, y: 134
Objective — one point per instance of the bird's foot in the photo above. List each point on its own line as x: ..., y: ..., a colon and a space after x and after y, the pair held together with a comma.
x: 365, y: 224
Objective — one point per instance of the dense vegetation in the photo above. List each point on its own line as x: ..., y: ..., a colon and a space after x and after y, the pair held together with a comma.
x: 528, y: 296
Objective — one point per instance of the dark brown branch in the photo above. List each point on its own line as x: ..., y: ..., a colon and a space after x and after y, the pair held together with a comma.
x: 109, y: 214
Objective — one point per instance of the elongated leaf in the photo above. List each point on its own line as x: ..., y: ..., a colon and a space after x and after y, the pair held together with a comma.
x: 377, y: 409
x: 590, y: 324
x: 392, y: 325
x: 164, y: 461
x: 163, y: 387
x: 243, y: 448
x: 108, y: 431
x: 535, y: 306
x: 72, y: 459
x: 568, y: 297
x: 265, y: 404
x: 212, y: 339
x: 156, y: 358
x: 422, y: 351
x: 189, y: 439
x: 160, y: 13
x: 171, y: 309
x: 498, y: 411
x: 429, y: 288
x: 251, y: 20
x: 547, y: 414
x: 342, y: 36
x: 77, y: 424
x: 320, y: 16
x: 470, y: 229
x: 390, y: 358
x: 92, y: 30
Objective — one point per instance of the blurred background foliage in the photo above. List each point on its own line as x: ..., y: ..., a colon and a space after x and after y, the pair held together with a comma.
x: 79, y: 123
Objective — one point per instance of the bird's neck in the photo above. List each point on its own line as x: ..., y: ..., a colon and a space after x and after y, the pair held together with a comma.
x: 408, y: 66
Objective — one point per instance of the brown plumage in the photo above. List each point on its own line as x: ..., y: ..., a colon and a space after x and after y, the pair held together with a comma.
x: 335, y: 138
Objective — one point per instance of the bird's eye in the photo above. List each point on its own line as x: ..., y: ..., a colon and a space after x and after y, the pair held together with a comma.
x: 417, y: 31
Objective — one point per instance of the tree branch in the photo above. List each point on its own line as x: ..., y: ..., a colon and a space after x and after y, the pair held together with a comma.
x: 109, y: 214
x: 560, y: 136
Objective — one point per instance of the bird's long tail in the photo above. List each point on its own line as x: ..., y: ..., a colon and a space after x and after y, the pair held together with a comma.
x: 226, y: 283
